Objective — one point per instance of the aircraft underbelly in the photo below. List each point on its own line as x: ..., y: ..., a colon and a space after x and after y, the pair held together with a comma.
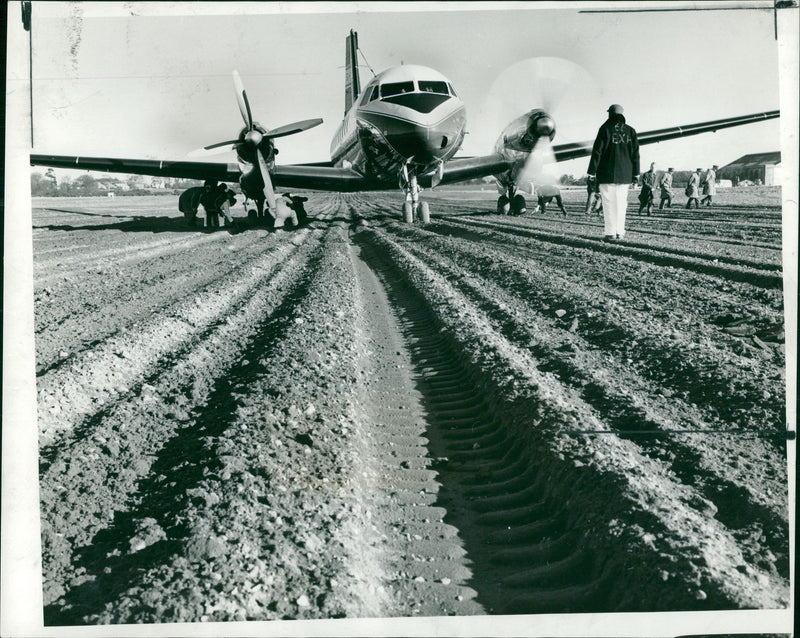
x: 388, y: 142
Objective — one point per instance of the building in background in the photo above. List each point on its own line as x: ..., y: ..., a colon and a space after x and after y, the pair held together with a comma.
x: 759, y: 168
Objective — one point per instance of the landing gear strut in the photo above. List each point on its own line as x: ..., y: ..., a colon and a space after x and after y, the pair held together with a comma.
x: 412, y: 207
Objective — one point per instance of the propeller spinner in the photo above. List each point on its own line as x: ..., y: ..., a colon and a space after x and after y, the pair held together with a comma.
x: 255, y: 142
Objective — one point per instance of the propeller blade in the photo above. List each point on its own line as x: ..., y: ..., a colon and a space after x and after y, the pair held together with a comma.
x: 269, y: 192
x: 218, y: 144
x: 562, y: 88
x: 294, y: 127
x: 241, y: 99
x: 214, y: 149
x: 538, y: 166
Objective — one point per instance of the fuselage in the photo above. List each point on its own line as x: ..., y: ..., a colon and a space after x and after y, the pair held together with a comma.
x: 407, y: 116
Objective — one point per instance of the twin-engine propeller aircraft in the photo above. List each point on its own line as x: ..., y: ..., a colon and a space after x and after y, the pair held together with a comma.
x: 403, y: 129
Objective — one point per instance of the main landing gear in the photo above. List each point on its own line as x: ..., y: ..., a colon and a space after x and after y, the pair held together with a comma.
x: 412, y: 207
x: 258, y: 215
x: 511, y: 204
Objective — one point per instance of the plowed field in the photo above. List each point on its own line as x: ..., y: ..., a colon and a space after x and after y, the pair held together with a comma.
x: 362, y: 417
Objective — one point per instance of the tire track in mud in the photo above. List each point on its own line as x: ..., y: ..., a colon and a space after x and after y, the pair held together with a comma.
x: 184, y: 545
x: 313, y: 447
x: 99, y: 306
x: 741, y: 270
x: 607, y: 325
x: 665, y: 428
x: 513, y: 450
x: 75, y: 391
x: 738, y: 232
x: 98, y: 465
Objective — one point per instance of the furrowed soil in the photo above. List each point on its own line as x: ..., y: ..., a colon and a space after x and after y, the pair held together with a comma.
x: 366, y: 418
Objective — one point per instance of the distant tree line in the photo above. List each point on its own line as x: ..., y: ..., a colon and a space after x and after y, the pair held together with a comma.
x: 48, y: 185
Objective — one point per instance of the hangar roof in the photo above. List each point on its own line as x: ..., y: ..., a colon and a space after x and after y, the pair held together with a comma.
x: 756, y: 159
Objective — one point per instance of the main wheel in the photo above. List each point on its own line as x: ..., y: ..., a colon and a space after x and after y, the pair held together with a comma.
x: 518, y: 205
x: 252, y: 216
x: 424, y: 213
x: 503, y: 206
x: 408, y: 213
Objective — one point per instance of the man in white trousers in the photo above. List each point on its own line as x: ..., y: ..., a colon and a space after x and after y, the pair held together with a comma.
x: 615, y: 165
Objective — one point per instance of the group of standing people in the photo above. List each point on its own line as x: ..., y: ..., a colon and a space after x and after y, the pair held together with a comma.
x: 708, y: 184
x: 614, y: 166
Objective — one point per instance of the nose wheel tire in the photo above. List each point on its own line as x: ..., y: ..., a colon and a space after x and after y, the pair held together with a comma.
x: 518, y: 205
x: 408, y: 213
x: 424, y: 213
x: 503, y: 205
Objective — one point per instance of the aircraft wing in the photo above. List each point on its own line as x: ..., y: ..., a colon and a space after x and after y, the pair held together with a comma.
x: 312, y: 176
x: 472, y: 167
x: 157, y: 168
x: 565, y: 152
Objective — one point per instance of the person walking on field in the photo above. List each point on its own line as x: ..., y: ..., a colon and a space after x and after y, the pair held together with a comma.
x: 709, y: 185
x: 594, y: 203
x: 647, y: 195
x: 693, y: 190
x: 665, y: 185
x: 615, y: 164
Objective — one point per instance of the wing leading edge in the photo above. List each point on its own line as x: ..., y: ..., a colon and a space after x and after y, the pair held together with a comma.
x: 472, y: 167
x: 311, y: 176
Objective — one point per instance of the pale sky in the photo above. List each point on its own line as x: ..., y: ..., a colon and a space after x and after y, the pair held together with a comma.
x: 144, y: 84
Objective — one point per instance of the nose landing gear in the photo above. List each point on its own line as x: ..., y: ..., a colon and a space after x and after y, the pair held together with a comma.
x: 412, y: 207
x: 511, y: 204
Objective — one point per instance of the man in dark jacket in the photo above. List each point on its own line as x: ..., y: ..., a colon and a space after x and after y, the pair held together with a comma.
x: 615, y: 164
x: 647, y: 193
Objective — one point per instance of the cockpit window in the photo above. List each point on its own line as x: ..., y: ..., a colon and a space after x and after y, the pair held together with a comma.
x: 375, y: 93
x: 396, y: 88
x: 452, y: 90
x: 433, y: 86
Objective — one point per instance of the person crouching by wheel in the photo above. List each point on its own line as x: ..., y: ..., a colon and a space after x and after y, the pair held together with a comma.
x: 224, y: 200
x: 210, y: 200
x: 298, y: 207
x: 546, y: 194
x: 284, y: 209
x: 615, y: 164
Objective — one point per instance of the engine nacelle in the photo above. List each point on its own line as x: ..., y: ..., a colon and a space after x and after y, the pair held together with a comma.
x: 522, y: 133
x: 517, y: 141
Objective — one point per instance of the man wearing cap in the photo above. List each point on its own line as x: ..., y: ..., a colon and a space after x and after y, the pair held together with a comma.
x: 709, y: 185
x: 665, y: 184
x: 615, y: 164
x: 693, y: 189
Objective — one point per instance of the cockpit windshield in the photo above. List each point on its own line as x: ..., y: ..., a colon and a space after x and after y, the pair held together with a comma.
x: 396, y: 88
x: 433, y: 86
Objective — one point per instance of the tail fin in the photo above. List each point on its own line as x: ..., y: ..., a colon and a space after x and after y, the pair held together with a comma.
x: 352, y: 82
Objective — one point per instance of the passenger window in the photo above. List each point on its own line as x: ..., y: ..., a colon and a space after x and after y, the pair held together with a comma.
x: 433, y: 86
x: 396, y: 88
